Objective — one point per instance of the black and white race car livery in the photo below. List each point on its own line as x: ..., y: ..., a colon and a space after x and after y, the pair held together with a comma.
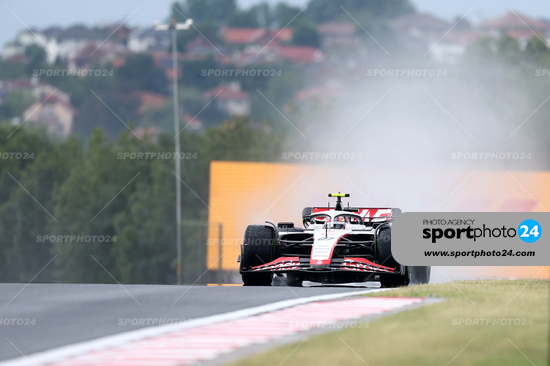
x: 336, y: 245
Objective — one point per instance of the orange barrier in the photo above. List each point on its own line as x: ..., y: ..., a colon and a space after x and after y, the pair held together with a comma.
x: 244, y: 193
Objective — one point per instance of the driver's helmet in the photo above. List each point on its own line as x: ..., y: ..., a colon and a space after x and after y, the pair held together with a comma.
x: 326, y: 222
x: 321, y: 220
x: 339, y: 222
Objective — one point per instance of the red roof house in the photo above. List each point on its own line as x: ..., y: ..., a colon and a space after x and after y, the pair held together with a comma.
x: 516, y: 25
x: 300, y: 54
x: 247, y: 36
x: 149, y: 100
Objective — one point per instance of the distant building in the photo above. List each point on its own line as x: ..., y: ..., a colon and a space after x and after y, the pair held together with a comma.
x: 230, y: 99
x: 149, y: 100
x: 23, y: 39
x: 191, y: 123
x: 252, y: 55
x: 423, y: 32
x: 7, y: 86
x: 337, y: 33
x: 518, y: 26
x: 200, y: 46
x: 421, y: 26
x: 164, y: 60
x: 151, y: 132
x: 453, y: 45
x: 118, y: 32
x: 38, y: 87
x: 322, y: 94
x: 300, y: 54
x: 90, y: 53
x: 54, y: 111
x: 75, y: 42
x: 310, y: 99
x: 147, y: 40
x: 418, y: 32
x: 511, y: 22
x: 250, y: 36
x: 67, y: 43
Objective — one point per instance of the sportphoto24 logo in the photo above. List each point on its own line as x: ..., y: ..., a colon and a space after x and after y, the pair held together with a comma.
x: 471, y: 238
x: 529, y: 230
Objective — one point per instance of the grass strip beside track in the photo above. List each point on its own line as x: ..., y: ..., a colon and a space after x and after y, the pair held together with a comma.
x: 490, y: 322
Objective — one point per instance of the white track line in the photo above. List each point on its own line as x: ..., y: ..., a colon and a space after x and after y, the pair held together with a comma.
x: 128, y: 338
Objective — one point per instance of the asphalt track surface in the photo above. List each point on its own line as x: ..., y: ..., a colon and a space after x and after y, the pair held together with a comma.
x: 40, y: 317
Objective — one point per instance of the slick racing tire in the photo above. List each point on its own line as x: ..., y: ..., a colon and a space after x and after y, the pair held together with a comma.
x: 385, y: 258
x: 396, y: 280
x: 383, y: 243
x: 256, y: 250
x: 291, y: 280
x: 420, y: 275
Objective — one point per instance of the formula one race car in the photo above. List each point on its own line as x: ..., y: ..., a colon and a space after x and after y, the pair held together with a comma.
x: 336, y: 245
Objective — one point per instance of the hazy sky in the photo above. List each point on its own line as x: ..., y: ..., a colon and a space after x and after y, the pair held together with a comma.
x: 44, y: 13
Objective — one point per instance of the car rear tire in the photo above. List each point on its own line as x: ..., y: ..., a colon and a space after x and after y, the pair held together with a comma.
x: 420, y: 275
x: 385, y: 258
x: 256, y: 250
x: 383, y: 242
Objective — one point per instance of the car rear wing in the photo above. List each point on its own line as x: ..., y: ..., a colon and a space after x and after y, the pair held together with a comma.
x: 369, y: 214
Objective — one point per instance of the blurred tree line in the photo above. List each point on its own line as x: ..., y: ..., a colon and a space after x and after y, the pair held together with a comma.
x: 69, y: 188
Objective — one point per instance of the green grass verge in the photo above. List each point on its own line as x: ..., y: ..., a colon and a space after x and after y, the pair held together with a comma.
x: 434, y: 334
